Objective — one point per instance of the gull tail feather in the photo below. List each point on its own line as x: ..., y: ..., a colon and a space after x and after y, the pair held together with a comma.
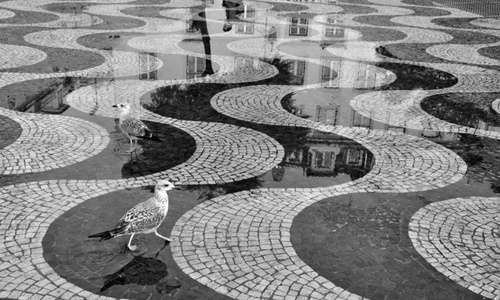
x: 109, y: 234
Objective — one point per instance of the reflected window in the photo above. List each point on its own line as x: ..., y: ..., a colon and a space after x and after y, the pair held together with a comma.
x: 361, y: 121
x: 195, y: 67
x: 327, y: 73
x: 146, y: 60
x: 298, y: 69
x: 357, y: 157
x: 327, y: 114
x: 248, y: 12
x: 334, y: 32
x: 321, y: 160
x: 246, y: 28
x: 298, y: 26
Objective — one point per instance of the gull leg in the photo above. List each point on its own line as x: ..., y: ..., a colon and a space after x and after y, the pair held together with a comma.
x: 129, y: 245
x: 131, y: 145
x: 161, y: 236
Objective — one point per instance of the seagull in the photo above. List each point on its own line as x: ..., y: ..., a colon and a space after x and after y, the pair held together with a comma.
x: 145, y: 217
x: 132, y: 128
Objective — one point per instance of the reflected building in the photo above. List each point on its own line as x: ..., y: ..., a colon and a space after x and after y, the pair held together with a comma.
x: 327, y: 114
x: 328, y: 106
x: 50, y: 100
x: 325, y: 154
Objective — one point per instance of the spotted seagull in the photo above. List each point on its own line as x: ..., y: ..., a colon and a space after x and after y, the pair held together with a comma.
x: 145, y: 217
x: 131, y: 127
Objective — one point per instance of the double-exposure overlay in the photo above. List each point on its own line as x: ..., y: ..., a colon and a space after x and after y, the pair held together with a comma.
x: 260, y: 149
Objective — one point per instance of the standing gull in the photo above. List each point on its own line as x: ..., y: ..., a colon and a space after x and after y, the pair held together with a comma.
x: 131, y: 127
x: 145, y: 217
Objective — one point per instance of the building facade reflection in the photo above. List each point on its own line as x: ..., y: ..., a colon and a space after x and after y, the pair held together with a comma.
x: 328, y: 155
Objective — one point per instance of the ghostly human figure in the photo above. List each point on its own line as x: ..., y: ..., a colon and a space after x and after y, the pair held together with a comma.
x: 200, y: 23
x: 233, y: 9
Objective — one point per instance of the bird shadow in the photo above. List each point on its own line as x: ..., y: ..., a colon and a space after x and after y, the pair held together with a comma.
x: 142, y: 271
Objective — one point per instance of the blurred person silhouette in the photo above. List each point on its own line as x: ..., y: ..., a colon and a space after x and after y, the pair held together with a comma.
x: 200, y: 23
x: 233, y: 9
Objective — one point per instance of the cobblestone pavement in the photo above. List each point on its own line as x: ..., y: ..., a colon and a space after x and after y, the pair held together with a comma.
x: 458, y: 237
x: 48, y: 142
x: 324, y: 88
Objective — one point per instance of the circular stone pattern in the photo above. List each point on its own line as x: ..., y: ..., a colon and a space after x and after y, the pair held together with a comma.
x: 50, y: 141
x: 460, y: 238
x: 12, y: 56
x: 487, y: 22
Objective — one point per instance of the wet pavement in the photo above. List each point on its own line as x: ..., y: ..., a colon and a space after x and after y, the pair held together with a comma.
x: 341, y: 149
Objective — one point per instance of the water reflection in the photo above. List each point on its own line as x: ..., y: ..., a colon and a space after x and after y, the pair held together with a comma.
x: 312, y: 158
x: 46, y: 99
x: 319, y: 159
x: 331, y: 106
x: 200, y: 24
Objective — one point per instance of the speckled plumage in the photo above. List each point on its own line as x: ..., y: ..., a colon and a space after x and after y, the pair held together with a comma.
x: 145, y: 217
x: 131, y: 127
x: 134, y: 127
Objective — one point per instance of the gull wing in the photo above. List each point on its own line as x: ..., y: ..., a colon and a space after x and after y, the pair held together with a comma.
x: 134, y: 127
x: 145, y: 215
